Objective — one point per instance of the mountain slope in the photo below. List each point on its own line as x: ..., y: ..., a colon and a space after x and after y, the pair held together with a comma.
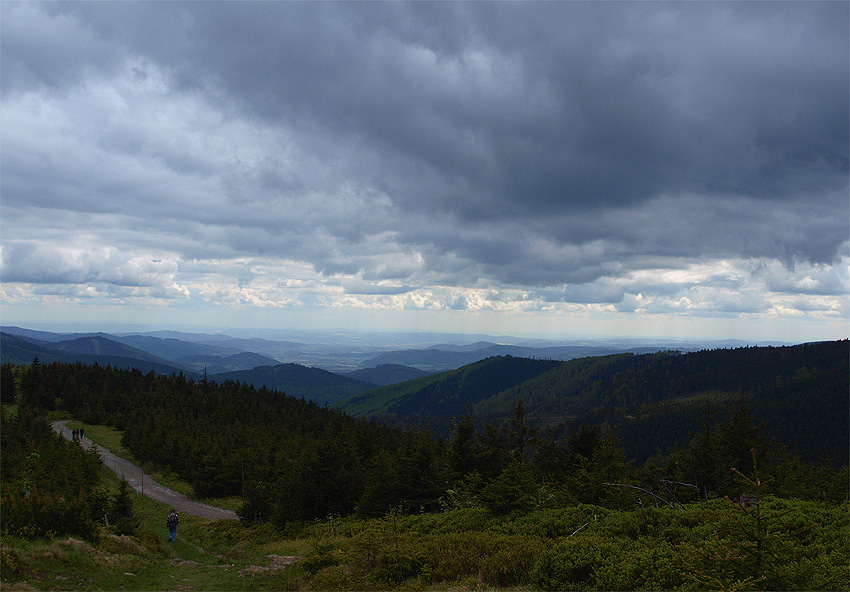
x: 173, y: 349
x: 654, y: 401
x: 17, y: 350
x: 295, y: 380
x: 219, y: 364
x: 386, y: 374
x: 440, y: 358
x: 101, y: 346
x: 449, y: 393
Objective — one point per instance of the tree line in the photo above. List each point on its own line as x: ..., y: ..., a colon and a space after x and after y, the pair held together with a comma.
x: 295, y: 461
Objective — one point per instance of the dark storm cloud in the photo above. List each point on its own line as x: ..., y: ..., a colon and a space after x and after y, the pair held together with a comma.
x: 565, y: 105
x: 519, y: 107
x: 564, y: 145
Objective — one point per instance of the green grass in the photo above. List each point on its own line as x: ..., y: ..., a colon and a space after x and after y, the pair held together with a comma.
x: 105, y: 436
x: 198, y: 560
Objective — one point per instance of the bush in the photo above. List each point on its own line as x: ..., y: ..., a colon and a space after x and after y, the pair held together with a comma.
x: 396, y: 566
x: 571, y: 564
x: 151, y: 541
x: 36, y: 514
x: 336, y: 577
x: 515, y: 489
x: 451, y: 557
x: 511, y: 561
x: 322, y: 557
x: 11, y: 565
x: 646, y: 564
x: 557, y: 523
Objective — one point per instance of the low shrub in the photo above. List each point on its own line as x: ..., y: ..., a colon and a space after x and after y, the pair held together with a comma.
x: 645, y: 564
x: 511, y: 560
x: 455, y: 556
x: 11, y: 565
x: 556, y: 523
x: 323, y: 557
x: 395, y: 567
x: 571, y: 564
x: 37, y: 514
x: 151, y: 541
x: 336, y: 577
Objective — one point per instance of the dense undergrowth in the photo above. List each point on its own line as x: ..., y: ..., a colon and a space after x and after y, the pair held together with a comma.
x: 799, y: 545
x: 701, y: 547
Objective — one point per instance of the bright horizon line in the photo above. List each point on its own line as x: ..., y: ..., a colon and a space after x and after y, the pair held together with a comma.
x: 123, y: 327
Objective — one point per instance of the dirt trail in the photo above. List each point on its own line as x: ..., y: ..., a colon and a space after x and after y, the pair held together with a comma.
x: 145, y: 485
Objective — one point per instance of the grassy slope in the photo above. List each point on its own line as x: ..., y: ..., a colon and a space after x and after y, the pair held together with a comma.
x: 147, y: 561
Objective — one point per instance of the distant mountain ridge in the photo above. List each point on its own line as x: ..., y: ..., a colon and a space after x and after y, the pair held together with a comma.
x: 249, y: 368
x: 89, y: 351
x: 440, y: 358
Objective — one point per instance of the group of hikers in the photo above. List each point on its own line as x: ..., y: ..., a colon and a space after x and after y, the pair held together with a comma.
x: 77, y: 434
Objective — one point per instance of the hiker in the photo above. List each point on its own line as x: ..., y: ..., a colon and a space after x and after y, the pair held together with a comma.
x: 171, y: 522
x: 82, y: 432
x: 74, y: 434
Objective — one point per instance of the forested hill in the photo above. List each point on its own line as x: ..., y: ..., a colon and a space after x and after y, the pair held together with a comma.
x: 385, y: 374
x: 296, y: 380
x: 87, y: 350
x: 624, y: 383
x: 209, y: 433
x: 450, y: 393
x: 655, y: 401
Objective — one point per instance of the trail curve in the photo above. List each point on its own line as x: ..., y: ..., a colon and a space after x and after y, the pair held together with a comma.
x: 145, y: 485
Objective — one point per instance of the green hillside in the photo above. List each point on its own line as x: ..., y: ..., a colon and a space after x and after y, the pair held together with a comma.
x: 449, y: 393
x: 296, y: 380
x: 654, y: 401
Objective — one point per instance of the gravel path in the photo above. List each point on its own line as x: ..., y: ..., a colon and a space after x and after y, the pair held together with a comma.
x: 145, y: 485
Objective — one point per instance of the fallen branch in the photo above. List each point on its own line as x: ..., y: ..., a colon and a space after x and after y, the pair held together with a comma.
x: 579, y: 528
x: 653, y: 494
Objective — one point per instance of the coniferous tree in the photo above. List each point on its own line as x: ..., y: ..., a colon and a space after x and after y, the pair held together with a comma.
x: 8, y: 389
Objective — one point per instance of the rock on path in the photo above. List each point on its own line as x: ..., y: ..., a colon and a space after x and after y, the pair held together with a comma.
x: 145, y: 485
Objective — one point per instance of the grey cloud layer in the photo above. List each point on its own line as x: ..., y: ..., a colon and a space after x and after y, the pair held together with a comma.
x: 560, y: 145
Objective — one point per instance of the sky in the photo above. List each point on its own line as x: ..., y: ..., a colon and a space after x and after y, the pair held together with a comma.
x: 559, y: 168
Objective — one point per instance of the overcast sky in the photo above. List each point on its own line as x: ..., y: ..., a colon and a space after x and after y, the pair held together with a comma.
x: 636, y: 168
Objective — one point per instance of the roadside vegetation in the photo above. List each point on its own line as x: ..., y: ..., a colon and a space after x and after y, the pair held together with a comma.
x: 345, y: 504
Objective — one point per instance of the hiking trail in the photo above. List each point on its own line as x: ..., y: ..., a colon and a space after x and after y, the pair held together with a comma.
x: 144, y: 484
